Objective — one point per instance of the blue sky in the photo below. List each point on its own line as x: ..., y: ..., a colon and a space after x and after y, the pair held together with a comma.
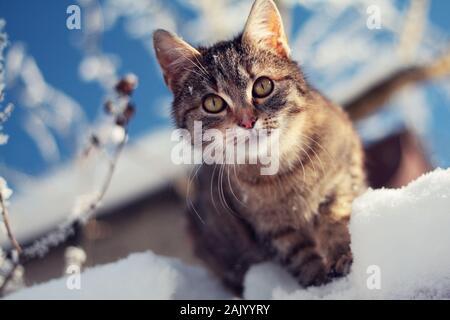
x: 41, y: 26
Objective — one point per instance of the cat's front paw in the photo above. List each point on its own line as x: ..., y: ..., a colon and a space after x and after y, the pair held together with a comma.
x: 314, y: 273
x: 342, y: 266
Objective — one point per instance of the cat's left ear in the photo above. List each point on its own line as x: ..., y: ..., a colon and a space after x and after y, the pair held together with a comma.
x: 174, y: 55
x: 264, y: 28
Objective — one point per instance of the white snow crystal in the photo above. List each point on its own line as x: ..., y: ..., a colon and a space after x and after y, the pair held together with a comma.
x: 75, y: 255
x: 3, y: 139
x: 83, y: 204
x: 4, y: 190
x: 117, y: 134
x: 110, y: 133
x: 132, y: 79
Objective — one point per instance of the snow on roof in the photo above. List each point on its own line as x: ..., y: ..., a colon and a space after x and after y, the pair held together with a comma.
x: 51, y: 201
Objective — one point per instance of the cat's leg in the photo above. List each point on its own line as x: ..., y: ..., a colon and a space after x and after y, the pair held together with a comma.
x: 298, y: 252
x: 333, y: 235
x: 334, y: 240
x: 225, y: 243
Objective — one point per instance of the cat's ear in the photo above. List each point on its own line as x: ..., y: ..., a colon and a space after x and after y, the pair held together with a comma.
x: 264, y: 28
x: 174, y: 55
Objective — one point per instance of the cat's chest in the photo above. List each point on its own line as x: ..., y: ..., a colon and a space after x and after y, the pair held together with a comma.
x: 265, y: 203
x: 256, y: 202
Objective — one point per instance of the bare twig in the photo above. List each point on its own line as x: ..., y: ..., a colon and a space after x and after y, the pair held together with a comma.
x: 9, y: 276
x: 413, y: 29
x: 124, y: 89
x: 111, y: 168
x: 5, y: 216
x: 16, y: 262
x: 376, y: 96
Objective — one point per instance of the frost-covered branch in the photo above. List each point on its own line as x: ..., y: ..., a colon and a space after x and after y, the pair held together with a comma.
x: 122, y: 110
x: 5, y: 192
x: 378, y: 94
x: 413, y: 29
x: 10, y: 268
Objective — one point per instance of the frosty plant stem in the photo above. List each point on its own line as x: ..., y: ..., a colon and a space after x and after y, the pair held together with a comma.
x: 9, y: 276
x: 108, y: 179
x: 375, y: 97
x: 122, y: 111
x: 5, y: 217
x: 16, y: 257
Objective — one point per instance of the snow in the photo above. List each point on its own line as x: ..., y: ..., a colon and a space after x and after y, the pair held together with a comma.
x: 140, y: 276
x: 5, y: 192
x: 400, y: 240
x: 4, y: 112
x: 402, y: 233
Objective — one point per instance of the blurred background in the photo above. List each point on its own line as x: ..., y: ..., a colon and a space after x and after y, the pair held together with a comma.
x: 58, y: 80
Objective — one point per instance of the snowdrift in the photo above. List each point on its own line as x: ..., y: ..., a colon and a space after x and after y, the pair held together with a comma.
x: 139, y: 276
x: 400, y: 236
x: 400, y: 243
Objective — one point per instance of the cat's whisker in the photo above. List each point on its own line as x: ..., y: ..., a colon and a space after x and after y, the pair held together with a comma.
x: 303, y: 168
x: 235, y: 175
x: 202, y: 70
x: 319, y: 145
x: 220, y: 189
x: 211, y: 190
x: 231, y: 187
x: 219, y: 186
x: 189, y: 202
x: 222, y: 193
x: 310, y: 160
x: 191, y: 176
x: 199, y: 66
x: 318, y: 158
x: 197, y: 73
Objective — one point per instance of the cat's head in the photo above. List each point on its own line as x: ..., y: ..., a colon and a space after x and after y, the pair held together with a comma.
x: 248, y: 83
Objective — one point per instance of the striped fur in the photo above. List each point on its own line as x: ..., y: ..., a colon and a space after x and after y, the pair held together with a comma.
x: 297, y: 217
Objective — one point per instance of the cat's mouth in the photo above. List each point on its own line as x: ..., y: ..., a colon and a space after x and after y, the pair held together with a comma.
x: 239, y: 135
x: 252, y: 143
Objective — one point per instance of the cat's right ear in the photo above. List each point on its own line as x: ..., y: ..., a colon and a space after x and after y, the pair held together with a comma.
x: 174, y: 55
x: 264, y: 28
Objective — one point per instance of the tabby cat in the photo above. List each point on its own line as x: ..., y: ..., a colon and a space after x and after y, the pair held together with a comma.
x: 239, y: 217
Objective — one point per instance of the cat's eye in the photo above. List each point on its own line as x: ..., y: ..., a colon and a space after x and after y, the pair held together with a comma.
x: 213, y: 103
x: 262, y: 87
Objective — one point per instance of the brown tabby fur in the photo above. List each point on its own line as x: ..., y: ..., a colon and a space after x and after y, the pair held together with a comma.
x: 239, y: 217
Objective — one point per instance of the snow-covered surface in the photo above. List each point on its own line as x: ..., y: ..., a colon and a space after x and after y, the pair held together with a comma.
x: 140, y: 276
x: 143, y: 167
x: 402, y: 234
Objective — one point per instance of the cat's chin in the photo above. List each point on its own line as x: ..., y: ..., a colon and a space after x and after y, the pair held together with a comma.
x: 258, y: 148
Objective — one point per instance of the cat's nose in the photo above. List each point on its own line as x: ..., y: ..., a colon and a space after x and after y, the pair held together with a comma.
x: 248, y: 122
